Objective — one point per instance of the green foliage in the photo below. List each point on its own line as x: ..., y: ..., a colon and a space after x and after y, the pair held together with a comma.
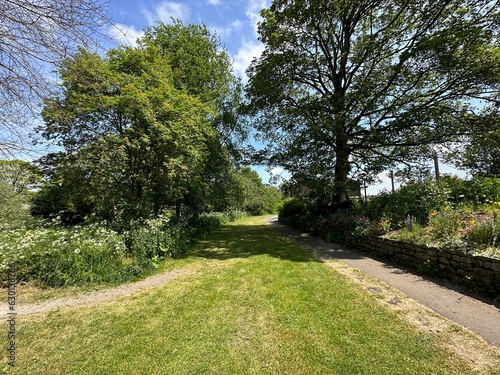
x: 414, y: 234
x: 463, y: 228
x: 348, y: 88
x: 445, y: 226
x: 415, y: 198
x: 23, y: 176
x: 482, y: 155
x: 292, y: 207
x: 337, y: 227
x: 476, y: 191
x: 147, y: 140
x: 200, y: 63
x: 484, y: 230
x: 13, y: 207
x: 255, y: 197
x: 141, y: 128
x: 94, y: 254
x: 152, y: 239
x: 58, y: 256
x: 334, y: 227
x: 272, y: 199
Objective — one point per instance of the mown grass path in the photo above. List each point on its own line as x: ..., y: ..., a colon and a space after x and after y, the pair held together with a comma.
x: 254, y: 304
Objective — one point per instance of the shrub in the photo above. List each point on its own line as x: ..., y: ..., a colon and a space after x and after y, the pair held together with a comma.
x: 336, y: 227
x: 477, y: 191
x: 416, y: 199
x: 93, y: 253
x: 292, y: 207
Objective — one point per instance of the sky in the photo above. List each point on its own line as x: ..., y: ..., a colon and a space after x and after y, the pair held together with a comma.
x: 234, y: 21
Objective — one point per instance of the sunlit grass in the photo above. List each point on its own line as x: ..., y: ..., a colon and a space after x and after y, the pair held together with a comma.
x: 257, y: 304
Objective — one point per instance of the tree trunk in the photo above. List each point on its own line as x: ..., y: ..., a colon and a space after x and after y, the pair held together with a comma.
x: 340, y: 182
x: 342, y: 164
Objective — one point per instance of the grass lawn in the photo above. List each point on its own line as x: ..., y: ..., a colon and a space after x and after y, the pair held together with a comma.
x: 255, y: 304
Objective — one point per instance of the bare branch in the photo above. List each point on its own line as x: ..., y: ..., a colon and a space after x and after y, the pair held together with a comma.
x: 35, y: 36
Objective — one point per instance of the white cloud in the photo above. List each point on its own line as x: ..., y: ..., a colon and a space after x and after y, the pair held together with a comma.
x: 252, y: 11
x: 227, y: 30
x: 125, y: 34
x: 166, y: 10
x: 246, y: 53
x: 214, y: 2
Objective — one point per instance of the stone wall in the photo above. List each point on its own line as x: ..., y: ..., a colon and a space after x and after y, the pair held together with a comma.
x: 481, y: 274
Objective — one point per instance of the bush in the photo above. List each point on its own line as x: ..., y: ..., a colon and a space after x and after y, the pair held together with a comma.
x: 93, y: 253
x: 292, y: 207
x: 416, y: 199
x: 476, y: 192
x: 337, y: 227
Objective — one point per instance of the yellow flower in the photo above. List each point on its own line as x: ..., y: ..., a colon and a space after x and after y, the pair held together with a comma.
x: 471, y: 222
x: 433, y: 213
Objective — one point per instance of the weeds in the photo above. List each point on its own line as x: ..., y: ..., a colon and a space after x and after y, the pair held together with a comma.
x: 92, y: 254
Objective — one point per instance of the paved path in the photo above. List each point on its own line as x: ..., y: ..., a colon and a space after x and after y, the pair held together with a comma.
x: 479, y: 316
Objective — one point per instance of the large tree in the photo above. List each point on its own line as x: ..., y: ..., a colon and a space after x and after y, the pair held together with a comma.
x: 202, y: 66
x: 347, y: 88
x: 133, y: 142
x: 141, y: 127
x: 34, y: 37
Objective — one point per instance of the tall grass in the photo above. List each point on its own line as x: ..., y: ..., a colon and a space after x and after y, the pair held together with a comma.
x: 57, y: 256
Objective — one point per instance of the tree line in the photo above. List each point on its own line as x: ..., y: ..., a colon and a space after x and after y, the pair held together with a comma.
x: 146, y: 129
x: 342, y: 91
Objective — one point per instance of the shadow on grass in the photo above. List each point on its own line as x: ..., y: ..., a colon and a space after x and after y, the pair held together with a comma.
x: 244, y: 241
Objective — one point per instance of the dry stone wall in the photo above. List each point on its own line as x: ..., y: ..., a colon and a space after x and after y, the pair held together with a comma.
x: 479, y: 273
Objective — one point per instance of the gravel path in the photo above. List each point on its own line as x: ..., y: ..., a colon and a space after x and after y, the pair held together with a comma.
x: 480, y: 316
x: 101, y: 295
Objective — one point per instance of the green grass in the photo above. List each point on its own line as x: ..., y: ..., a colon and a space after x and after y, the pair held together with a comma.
x: 257, y: 304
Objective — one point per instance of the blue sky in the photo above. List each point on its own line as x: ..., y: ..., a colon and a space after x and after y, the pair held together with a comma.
x: 234, y: 21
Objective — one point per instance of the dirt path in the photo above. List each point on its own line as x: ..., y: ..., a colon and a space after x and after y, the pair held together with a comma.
x: 101, y: 295
x: 476, y: 315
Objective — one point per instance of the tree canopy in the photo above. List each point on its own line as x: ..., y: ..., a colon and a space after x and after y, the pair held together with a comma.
x: 481, y: 156
x: 349, y: 88
x: 23, y: 176
x: 138, y: 126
